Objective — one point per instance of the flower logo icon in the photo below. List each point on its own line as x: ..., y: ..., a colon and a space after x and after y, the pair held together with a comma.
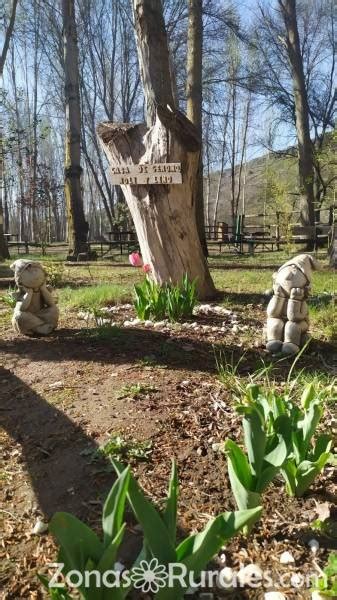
x: 149, y: 576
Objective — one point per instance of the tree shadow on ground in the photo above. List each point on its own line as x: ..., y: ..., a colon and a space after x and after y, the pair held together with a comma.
x: 54, y: 449
x: 115, y: 345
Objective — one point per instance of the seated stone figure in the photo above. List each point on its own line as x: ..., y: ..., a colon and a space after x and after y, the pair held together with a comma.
x: 287, y: 311
x: 35, y: 311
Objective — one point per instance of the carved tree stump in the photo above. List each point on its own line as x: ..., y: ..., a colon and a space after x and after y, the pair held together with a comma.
x: 163, y: 215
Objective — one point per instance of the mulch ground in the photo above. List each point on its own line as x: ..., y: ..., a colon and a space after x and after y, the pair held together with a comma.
x: 64, y: 396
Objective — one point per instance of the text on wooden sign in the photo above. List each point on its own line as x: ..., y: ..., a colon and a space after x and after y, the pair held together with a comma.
x: 146, y: 174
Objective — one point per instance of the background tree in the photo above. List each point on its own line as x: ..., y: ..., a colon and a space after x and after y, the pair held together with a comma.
x: 194, y: 101
x: 77, y: 225
x: 110, y: 90
x: 305, y: 155
x: 270, y: 77
x: 8, y: 34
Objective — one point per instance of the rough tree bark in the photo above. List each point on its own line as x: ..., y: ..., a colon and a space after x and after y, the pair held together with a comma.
x: 194, y: 101
x: 77, y: 225
x: 8, y: 34
x: 305, y: 154
x: 164, y: 215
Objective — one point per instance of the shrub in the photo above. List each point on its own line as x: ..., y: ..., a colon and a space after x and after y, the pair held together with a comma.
x: 55, y: 272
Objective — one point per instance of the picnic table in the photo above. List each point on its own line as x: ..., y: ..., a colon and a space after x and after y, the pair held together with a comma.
x: 124, y: 240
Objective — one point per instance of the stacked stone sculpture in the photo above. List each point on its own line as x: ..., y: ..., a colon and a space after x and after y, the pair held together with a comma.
x: 287, y: 311
x: 35, y: 311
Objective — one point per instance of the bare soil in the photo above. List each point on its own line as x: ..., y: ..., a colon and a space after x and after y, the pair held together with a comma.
x: 64, y: 396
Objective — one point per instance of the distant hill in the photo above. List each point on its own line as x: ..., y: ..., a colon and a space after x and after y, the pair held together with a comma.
x: 271, y: 182
x: 260, y: 172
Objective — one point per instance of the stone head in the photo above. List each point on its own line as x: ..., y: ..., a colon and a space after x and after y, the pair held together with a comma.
x: 28, y: 274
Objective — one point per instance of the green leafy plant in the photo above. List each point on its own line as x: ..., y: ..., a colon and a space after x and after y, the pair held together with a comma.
x: 150, y: 300
x: 159, y: 301
x: 55, y: 273
x: 228, y: 371
x: 278, y: 436
x: 101, y: 316
x: 326, y: 584
x: 160, y: 533
x: 82, y: 550
x: 136, y: 390
x: 9, y: 298
x: 251, y: 473
x: 181, y: 299
x: 121, y: 449
x: 328, y: 527
x: 307, y: 457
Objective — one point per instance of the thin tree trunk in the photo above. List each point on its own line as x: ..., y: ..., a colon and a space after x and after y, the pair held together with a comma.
x: 233, y: 156
x: 77, y: 225
x: 164, y: 215
x: 223, y: 160
x: 194, y: 101
x: 243, y: 152
x: 305, y: 154
x: 208, y: 185
x: 8, y: 35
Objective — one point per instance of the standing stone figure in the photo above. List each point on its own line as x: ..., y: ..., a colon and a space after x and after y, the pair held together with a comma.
x: 287, y: 311
x: 35, y: 311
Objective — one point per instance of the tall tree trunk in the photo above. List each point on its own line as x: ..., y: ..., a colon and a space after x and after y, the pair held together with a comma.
x: 164, y: 215
x: 194, y: 101
x: 8, y: 34
x: 34, y: 222
x: 77, y: 225
x: 305, y: 154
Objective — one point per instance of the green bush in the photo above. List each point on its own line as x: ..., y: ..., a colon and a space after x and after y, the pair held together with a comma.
x: 165, y: 301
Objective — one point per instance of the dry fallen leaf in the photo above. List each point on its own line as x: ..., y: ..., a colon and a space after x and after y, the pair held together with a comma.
x: 323, y: 510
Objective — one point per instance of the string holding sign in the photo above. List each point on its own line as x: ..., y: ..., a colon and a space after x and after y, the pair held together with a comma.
x: 146, y: 174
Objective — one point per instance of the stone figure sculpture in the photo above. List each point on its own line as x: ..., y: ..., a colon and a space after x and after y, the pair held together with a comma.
x: 35, y: 311
x: 287, y: 311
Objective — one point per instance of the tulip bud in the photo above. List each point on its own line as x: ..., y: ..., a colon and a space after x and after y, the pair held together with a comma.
x: 308, y: 396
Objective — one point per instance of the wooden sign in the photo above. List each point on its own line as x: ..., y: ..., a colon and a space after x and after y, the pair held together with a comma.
x: 146, y: 174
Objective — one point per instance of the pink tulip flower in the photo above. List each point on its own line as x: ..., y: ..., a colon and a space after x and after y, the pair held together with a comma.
x: 147, y: 268
x: 135, y: 259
